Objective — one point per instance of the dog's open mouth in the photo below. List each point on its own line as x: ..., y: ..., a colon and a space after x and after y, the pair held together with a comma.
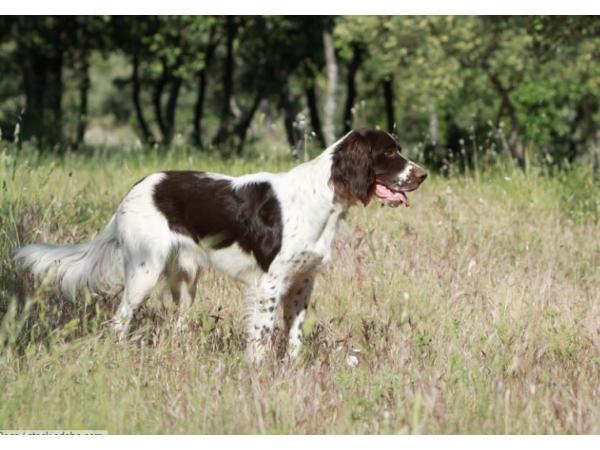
x: 389, y: 196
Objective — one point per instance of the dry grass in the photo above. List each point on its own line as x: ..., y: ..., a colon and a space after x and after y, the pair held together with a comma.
x: 474, y: 311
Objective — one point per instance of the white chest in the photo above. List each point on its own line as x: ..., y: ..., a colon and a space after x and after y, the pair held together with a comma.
x: 311, y: 233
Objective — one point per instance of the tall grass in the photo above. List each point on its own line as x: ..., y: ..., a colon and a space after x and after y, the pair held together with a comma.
x: 474, y: 311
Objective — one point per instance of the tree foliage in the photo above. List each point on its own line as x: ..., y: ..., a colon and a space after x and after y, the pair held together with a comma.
x: 457, y: 87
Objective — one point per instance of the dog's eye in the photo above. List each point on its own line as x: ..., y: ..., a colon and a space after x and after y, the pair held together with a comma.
x: 392, y: 153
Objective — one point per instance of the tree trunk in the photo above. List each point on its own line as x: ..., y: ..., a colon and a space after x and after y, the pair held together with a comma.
x: 584, y: 121
x: 224, y: 126
x: 289, y: 115
x: 313, y: 109
x: 42, y: 83
x: 199, y: 106
x: 84, y: 88
x: 351, y: 87
x: 41, y: 67
x: 199, y: 109
x: 245, y: 122
x: 499, y: 115
x: 431, y: 150
x: 147, y: 136
x: 157, y: 101
x: 34, y: 80
x: 434, y: 128
x: 171, y: 109
x: 388, y: 96
x: 513, y: 144
x: 53, y: 121
x: 589, y: 105
x: 331, y: 69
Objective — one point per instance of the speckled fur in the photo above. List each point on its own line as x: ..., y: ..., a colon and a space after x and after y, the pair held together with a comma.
x: 162, y: 235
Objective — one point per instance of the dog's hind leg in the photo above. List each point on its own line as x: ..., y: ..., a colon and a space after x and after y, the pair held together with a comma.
x: 141, y: 275
x: 183, y: 280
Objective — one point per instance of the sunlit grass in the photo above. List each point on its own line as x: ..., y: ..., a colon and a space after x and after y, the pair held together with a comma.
x: 474, y: 311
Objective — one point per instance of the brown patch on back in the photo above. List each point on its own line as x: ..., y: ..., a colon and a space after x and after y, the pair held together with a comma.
x: 199, y: 206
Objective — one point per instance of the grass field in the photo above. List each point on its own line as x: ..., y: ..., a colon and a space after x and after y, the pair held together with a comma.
x: 477, y: 310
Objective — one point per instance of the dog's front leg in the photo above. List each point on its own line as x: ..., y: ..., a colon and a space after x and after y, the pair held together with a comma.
x: 295, y: 307
x: 263, y: 299
x: 305, y: 265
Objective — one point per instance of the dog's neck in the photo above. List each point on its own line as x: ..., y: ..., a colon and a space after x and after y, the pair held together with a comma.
x: 317, y: 172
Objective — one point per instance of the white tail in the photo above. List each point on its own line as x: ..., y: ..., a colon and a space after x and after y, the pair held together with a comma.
x: 96, y: 266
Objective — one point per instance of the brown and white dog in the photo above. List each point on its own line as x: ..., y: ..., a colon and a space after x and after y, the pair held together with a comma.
x: 273, y: 232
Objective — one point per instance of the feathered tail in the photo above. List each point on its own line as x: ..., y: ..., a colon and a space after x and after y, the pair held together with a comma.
x: 96, y: 265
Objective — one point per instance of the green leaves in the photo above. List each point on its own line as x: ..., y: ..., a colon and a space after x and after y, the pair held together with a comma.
x: 457, y: 76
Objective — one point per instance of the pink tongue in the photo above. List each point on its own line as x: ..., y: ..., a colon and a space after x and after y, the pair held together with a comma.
x: 384, y: 193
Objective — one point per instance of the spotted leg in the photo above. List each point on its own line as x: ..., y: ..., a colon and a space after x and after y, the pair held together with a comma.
x: 183, y: 279
x: 295, y: 308
x: 183, y: 289
x: 263, y: 299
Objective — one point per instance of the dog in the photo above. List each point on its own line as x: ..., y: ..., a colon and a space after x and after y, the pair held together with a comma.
x: 271, y: 231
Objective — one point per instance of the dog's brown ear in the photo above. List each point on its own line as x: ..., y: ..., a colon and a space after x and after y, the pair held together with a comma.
x: 352, y: 173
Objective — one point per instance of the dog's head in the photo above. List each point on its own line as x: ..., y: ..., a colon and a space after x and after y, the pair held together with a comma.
x: 368, y: 163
